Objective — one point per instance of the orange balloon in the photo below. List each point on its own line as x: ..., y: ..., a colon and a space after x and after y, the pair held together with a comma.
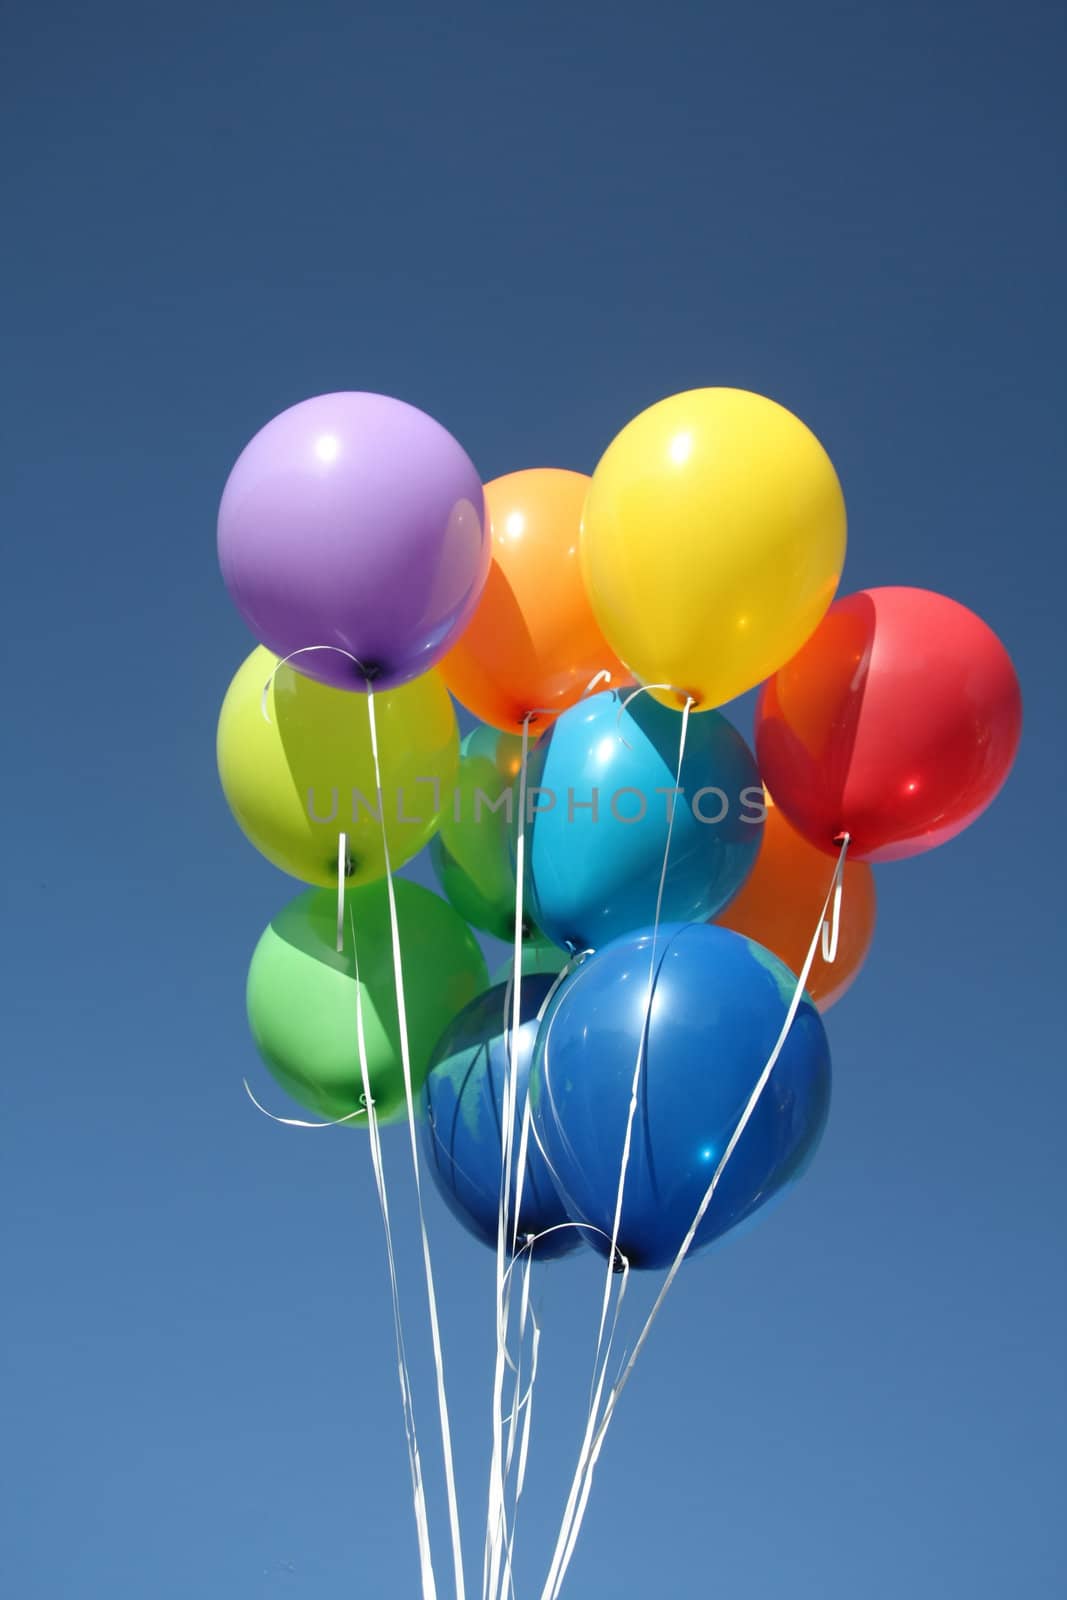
x: 532, y: 643
x: 779, y: 902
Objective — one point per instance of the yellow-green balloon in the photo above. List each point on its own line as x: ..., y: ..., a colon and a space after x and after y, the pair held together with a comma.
x: 302, y: 994
x: 299, y: 776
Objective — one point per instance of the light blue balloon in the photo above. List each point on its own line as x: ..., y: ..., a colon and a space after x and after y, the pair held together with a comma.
x: 600, y: 789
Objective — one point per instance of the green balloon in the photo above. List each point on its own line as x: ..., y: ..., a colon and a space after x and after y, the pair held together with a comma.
x: 471, y: 854
x: 539, y: 957
x: 302, y: 994
x: 495, y: 917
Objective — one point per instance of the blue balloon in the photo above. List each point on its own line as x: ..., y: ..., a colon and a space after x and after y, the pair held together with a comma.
x: 719, y: 1001
x: 461, y: 1128
x: 598, y: 828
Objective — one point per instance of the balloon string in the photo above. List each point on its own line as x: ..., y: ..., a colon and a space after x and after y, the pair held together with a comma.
x: 576, y: 1500
x: 831, y: 931
x: 560, y: 979
x: 523, y: 1407
x: 646, y: 688
x: 342, y: 853
x: 512, y: 1419
x: 298, y: 1122
x: 643, y: 1038
x: 588, y: 1465
x: 496, y: 1511
x: 516, y: 998
x: 429, y: 1586
x: 574, y: 1507
x: 405, y: 1059
x: 304, y: 650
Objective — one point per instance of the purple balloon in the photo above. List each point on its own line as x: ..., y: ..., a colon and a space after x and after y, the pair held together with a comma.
x: 355, y: 521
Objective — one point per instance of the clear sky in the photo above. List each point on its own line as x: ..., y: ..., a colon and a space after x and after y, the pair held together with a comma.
x: 532, y: 221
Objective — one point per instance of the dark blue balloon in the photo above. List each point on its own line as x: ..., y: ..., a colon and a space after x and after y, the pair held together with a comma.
x: 461, y: 1127
x: 719, y: 1001
x: 598, y: 829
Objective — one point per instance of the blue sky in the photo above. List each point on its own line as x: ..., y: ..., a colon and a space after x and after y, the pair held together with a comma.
x: 532, y: 222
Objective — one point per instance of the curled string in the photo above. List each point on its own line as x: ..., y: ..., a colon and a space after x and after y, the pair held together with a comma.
x: 306, y: 649
x: 646, y: 688
x: 569, y: 1534
x: 298, y: 1122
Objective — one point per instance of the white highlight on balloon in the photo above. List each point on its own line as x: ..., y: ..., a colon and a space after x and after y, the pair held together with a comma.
x: 680, y: 448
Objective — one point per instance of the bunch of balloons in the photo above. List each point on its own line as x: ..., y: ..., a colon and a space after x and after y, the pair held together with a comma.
x: 664, y: 883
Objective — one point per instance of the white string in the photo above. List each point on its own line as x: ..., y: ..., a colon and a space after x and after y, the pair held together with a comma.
x: 342, y: 853
x: 303, y: 651
x: 597, y: 1443
x: 831, y: 931
x: 636, y: 1081
x: 560, y: 979
x: 405, y: 1058
x: 496, y: 1511
x: 517, y: 1408
x: 297, y: 1122
x: 496, y: 1567
x: 575, y: 1506
x: 646, y: 688
x: 523, y: 1408
x: 429, y: 1586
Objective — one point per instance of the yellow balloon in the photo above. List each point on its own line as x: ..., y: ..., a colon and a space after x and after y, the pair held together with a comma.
x: 302, y: 775
x: 712, y: 542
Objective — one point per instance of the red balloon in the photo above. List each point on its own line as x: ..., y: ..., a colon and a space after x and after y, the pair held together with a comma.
x: 897, y: 723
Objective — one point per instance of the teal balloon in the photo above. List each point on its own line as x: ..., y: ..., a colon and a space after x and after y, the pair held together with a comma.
x: 600, y: 796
